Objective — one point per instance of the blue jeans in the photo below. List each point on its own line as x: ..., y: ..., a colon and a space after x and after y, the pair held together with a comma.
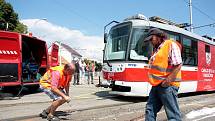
x: 163, y: 96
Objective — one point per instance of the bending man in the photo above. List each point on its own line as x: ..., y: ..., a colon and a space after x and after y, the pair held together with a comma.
x: 55, y: 83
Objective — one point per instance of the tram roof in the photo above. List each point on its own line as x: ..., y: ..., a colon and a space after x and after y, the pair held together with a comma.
x: 139, y: 23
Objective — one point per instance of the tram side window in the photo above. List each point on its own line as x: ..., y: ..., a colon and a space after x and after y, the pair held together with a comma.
x: 173, y: 37
x: 207, y: 48
x: 208, y: 54
x: 189, y: 52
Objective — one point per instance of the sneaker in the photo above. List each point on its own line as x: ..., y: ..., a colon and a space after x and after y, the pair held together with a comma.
x: 44, y: 114
x: 53, y: 118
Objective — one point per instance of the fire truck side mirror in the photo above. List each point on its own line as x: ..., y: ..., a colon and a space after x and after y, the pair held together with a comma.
x: 105, y: 37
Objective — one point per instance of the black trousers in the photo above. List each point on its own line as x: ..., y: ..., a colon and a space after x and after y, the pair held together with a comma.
x: 76, y: 78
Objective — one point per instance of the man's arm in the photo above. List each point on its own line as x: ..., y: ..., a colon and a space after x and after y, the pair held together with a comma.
x: 67, y: 89
x: 174, y: 73
x: 68, y: 85
x: 58, y: 92
x: 175, y: 61
x: 172, y: 76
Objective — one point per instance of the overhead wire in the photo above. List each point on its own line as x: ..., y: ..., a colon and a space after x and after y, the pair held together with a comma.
x: 202, y: 12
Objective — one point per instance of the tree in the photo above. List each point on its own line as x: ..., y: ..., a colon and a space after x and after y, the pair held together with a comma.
x: 86, y: 61
x: 21, y: 28
x: 8, y: 17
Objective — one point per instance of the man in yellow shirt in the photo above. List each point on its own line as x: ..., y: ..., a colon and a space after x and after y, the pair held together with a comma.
x: 55, y: 83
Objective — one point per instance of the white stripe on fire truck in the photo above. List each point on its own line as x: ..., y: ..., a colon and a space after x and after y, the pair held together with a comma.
x: 8, y: 52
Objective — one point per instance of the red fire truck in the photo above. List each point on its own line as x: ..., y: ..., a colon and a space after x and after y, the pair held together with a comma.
x: 126, y: 56
x: 23, y: 59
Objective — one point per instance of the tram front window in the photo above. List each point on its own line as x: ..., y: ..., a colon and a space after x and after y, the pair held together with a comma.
x: 117, y: 42
x: 140, y: 49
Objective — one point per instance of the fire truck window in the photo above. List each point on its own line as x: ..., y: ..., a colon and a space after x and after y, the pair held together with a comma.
x: 189, y: 52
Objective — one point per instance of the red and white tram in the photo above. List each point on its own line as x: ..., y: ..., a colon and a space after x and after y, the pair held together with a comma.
x: 126, y: 57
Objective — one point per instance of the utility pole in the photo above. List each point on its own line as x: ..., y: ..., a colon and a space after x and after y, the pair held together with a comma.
x: 7, y: 25
x: 191, y: 16
x: 60, y: 44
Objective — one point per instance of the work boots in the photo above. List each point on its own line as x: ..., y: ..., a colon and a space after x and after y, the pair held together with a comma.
x: 44, y: 114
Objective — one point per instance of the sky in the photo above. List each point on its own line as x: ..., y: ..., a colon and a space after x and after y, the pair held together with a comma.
x: 80, y: 23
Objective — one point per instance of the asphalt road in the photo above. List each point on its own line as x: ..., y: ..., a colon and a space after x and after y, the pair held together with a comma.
x: 90, y: 103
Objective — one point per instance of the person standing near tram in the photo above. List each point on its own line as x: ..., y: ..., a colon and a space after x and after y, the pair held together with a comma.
x: 164, y: 76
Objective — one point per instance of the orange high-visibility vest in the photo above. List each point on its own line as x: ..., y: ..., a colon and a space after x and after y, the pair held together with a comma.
x: 159, y: 67
x: 46, y: 80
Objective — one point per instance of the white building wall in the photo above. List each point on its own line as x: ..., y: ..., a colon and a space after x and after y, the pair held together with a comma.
x: 66, y: 55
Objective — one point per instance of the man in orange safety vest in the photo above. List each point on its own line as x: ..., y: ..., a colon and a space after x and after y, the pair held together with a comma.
x: 55, y: 83
x: 164, y: 75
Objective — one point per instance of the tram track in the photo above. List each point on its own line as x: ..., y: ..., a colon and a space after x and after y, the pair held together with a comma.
x: 123, y: 109
x: 101, y: 107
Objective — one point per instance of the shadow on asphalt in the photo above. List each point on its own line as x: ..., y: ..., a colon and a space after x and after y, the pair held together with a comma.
x: 195, y: 94
x: 62, y: 115
x: 13, y: 94
x: 106, y: 95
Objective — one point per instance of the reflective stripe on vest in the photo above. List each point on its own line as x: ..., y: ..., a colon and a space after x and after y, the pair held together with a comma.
x: 161, y: 78
x: 158, y: 68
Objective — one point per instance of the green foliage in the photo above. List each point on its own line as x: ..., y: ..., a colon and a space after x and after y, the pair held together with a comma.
x: 10, y: 17
x: 86, y: 61
x: 21, y: 28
